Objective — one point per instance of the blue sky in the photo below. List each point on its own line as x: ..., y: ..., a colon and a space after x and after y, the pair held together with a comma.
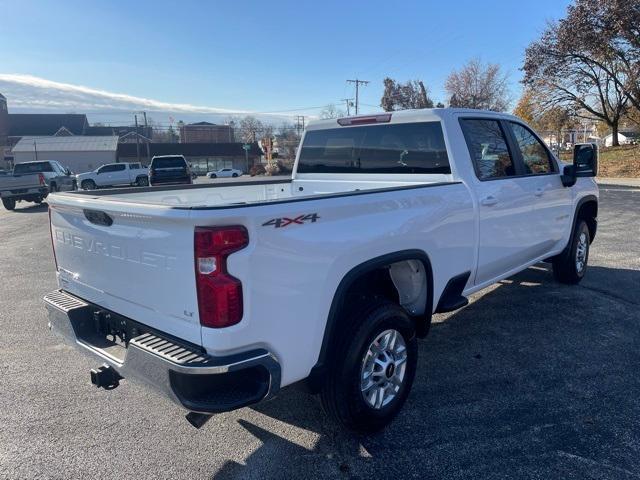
x: 262, y: 56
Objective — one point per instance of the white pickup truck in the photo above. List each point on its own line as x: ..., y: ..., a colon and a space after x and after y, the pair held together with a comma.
x: 113, y: 174
x: 220, y: 295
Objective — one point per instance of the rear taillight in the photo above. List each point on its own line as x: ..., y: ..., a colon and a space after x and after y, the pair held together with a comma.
x: 53, y: 246
x: 219, y: 294
x: 41, y: 179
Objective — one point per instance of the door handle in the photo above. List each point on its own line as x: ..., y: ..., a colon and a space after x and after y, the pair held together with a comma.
x: 488, y: 201
x: 539, y: 192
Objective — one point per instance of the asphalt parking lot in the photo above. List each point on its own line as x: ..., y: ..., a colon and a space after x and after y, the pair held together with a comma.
x: 532, y: 380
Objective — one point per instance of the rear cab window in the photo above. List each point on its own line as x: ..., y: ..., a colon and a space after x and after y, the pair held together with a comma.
x: 391, y: 148
x: 168, y: 162
x: 34, y: 167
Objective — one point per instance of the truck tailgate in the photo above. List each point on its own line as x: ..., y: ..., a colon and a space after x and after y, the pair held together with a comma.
x: 135, y: 261
x: 19, y: 182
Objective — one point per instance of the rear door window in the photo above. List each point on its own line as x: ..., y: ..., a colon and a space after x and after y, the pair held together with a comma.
x: 488, y: 148
x: 34, y: 167
x: 391, y: 148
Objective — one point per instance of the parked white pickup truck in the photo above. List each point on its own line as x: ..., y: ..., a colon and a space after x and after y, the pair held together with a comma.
x: 113, y: 174
x: 220, y: 295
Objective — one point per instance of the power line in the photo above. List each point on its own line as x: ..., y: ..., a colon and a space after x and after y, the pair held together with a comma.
x: 358, y: 83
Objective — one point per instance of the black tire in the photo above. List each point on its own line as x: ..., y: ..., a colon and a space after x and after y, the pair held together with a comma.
x: 88, y: 185
x: 213, y: 175
x: 38, y: 200
x: 570, y: 266
x: 142, y: 181
x: 234, y: 175
x: 74, y: 185
x: 53, y: 187
x: 9, y: 203
x: 341, y: 394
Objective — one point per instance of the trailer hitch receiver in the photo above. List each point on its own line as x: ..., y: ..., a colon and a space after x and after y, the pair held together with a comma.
x: 105, y: 377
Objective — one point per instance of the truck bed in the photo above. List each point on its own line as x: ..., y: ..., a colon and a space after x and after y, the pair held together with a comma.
x: 250, y: 193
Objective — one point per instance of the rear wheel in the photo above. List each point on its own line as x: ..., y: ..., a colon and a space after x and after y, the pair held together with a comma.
x: 88, y: 185
x: 234, y: 175
x: 142, y: 181
x: 373, y: 368
x: 570, y: 266
x: 213, y: 175
x: 9, y: 203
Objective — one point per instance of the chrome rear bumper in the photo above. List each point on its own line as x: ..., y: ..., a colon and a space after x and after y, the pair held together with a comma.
x: 183, y: 372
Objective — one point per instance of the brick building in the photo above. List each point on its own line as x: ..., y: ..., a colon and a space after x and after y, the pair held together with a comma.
x: 205, y: 132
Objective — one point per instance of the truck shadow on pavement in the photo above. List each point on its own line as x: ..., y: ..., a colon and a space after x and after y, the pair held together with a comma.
x: 31, y: 208
x: 533, y: 378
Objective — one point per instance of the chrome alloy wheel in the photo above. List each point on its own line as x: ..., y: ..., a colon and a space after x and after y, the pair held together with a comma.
x: 581, y: 252
x: 383, y: 369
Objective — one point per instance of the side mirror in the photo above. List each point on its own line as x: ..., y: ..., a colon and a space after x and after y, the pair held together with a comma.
x: 585, y: 164
x: 585, y: 160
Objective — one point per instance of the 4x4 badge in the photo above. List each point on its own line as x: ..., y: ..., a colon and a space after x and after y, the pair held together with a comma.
x: 285, y: 221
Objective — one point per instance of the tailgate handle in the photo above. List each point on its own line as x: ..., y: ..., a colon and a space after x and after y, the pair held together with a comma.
x: 98, y: 217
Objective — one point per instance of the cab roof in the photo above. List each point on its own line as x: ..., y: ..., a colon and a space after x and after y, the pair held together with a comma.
x: 404, y: 116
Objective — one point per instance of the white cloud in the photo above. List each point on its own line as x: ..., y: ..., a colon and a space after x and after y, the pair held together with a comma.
x: 27, y: 91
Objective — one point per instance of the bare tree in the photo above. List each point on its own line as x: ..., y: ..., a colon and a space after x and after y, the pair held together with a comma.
x: 330, y: 111
x: 250, y: 129
x: 288, y: 141
x: 479, y: 85
x: 576, y: 80
x: 602, y: 34
x: 403, y: 96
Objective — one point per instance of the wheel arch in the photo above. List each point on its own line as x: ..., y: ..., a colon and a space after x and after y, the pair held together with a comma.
x: 587, y: 209
x: 361, y: 273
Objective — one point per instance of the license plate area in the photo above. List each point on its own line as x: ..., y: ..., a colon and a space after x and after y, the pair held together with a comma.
x: 110, y: 333
x: 107, y: 332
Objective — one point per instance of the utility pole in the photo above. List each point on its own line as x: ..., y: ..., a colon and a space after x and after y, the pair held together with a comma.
x: 348, y: 103
x: 300, y: 124
x: 137, y: 140
x: 146, y: 130
x: 358, y: 83
x: 35, y: 150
